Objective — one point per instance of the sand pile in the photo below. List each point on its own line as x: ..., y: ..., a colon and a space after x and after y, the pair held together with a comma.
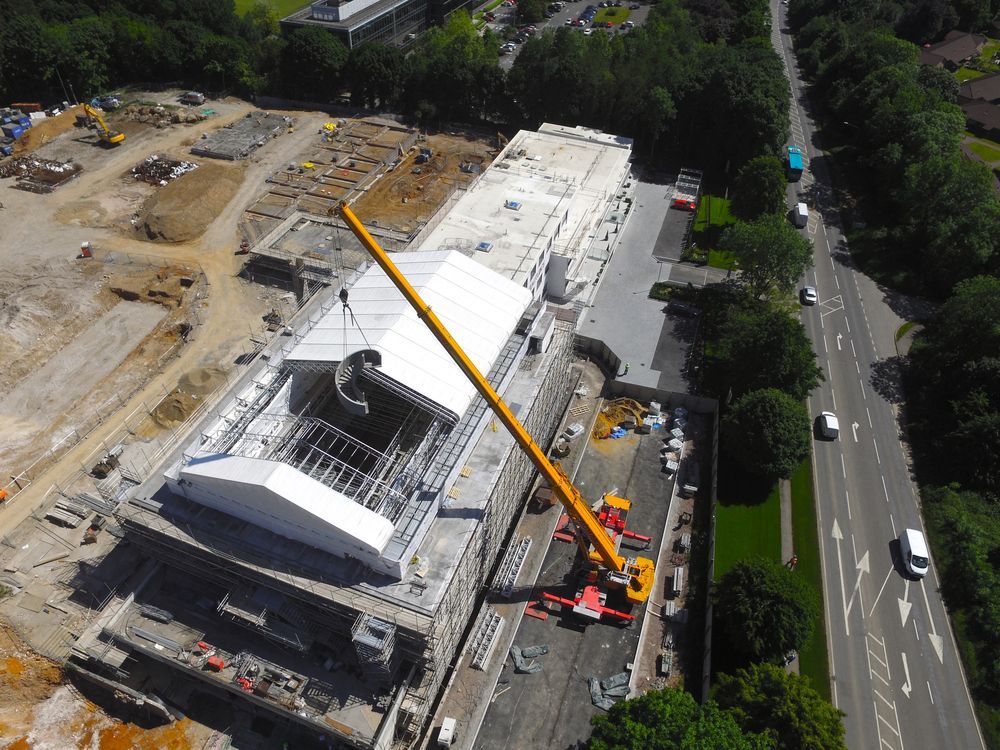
x: 187, y: 396
x: 182, y: 210
x: 43, y: 131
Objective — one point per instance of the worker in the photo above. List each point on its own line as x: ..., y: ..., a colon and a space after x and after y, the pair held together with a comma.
x: 626, y: 369
x: 793, y: 561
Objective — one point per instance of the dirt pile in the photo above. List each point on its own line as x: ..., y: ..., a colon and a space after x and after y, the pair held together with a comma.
x: 159, y: 170
x: 189, y: 394
x: 183, y: 210
x: 165, y: 286
x: 43, y: 131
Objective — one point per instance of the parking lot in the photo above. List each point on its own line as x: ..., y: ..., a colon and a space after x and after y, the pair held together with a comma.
x: 507, y: 16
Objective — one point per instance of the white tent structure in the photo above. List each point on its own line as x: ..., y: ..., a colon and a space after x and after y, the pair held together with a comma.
x: 478, y: 306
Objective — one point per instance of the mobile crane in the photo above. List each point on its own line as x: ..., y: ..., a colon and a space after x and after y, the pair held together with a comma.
x: 106, y: 134
x: 633, y: 575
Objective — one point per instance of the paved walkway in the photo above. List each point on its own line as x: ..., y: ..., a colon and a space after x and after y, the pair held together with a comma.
x: 787, y: 544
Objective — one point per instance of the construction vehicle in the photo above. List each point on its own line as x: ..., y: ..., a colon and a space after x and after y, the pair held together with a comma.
x: 633, y: 575
x: 106, y: 134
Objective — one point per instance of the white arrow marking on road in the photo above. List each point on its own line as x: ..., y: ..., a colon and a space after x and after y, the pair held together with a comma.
x: 854, y: 429
x: 839, y: 337
x: 906, y: 670
x: 936, y: 641
x: 904, y: 605
x: 839, y: 537
x: 862, y: 568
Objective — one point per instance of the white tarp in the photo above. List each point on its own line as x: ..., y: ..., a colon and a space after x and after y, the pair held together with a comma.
x: 282, y: 499
x: 479, y: 308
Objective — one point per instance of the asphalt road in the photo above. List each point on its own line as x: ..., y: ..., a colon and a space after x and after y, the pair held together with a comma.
x: 894, y: 664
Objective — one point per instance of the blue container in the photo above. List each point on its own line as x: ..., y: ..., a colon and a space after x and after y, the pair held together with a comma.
x: 4, y: 120
x: 13, y: 131
x: 24, y: 122
x: 6, y: 150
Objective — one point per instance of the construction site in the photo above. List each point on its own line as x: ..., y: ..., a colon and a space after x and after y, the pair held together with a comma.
x: 283, y: 504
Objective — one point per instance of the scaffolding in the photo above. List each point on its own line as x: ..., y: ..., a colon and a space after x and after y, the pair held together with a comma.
x: 374, y: 640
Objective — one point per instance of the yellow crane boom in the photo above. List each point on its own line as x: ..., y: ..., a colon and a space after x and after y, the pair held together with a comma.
x: 634, y: 574
x: 106, y: 134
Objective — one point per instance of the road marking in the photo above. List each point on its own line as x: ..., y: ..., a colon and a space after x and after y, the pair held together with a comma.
x: 857, y: 366
x: 929, y: 693
x: 837, y: 280
x: 875, y: 603
x: 847, y: 497
x: 869, y: 418
x: 862, y: 567
x: 882, y: 698
x: 826, y: 348
x: 847, y: 322
x: 827, y: 240
x: 834, y: 395
x: 904, y: 604
x: 853, y: 350
x: 838, y: 538
x: 907, y: 688
x: 891, y: 729
x: 839, y: 337
x: 854, y: 429
x: 843, y: 467
x: 877, y: 728
x: 915, y: 631
x: 832, y: 266
x: 936, y: 641
x: 885, y: 489
x: 876, y: 453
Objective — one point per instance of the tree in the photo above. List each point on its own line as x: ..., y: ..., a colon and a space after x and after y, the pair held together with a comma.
x: 376, y: 73
x: 531, y: 11
x: 765, y: 699
x: 759, y: 188
x: 670, y: 720
x: 759, y: 346
x: 764, y: 610
x: 767, y: 433
x: 771, y: 254
x: 312, y: 63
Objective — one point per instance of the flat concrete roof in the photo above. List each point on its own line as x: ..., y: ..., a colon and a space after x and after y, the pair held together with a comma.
x: 563, y: 172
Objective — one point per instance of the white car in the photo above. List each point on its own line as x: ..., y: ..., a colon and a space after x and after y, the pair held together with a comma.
x: 588, y: 32
x: 808, y: 295
x: 828, y: 425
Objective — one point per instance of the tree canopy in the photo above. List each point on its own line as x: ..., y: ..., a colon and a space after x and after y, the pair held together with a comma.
x: 765, y: 699
x: 764, y: 610
x: 771, y: 253
x: 759, y: 188
x: 670, y: 720
x: 754, y: 346
x: 767, y: 433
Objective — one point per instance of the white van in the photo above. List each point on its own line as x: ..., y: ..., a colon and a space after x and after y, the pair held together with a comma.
x: 800, y: 215
x: 447, y: 735
x: 914, y: 551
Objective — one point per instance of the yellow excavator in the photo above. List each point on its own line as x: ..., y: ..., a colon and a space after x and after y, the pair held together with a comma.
x: 106, y: 134
x: 633, y: 575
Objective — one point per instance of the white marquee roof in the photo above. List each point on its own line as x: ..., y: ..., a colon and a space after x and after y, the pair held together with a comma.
x: 479, y: 307
x: 280, y: 497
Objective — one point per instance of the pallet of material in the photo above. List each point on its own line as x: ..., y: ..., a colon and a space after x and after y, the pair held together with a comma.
x: 63, y: 518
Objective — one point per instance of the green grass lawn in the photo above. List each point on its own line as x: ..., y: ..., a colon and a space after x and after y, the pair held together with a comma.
x: 281, y: 7
x: 721, y: 259
x: 747, y: 521
x: 615, y: 15
x: 990, y: 49
x: 814, y: 662
x: 964, y: 74
x: 712, y: 218
x: 985, y: 150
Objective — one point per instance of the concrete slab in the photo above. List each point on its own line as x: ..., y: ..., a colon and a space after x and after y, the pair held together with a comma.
x: 552, y: 709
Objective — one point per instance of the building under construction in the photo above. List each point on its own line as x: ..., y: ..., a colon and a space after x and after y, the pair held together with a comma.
x: 322, y: 541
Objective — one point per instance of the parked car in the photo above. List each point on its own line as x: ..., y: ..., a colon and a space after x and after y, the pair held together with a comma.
x: 808, y: 295
x: 634, y: 6
x: 588, y: 32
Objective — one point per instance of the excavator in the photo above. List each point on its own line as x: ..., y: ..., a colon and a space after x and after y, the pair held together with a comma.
x: 106, y: 134
x: 598, y: 535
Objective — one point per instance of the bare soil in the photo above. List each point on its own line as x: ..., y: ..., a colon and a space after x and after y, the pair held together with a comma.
x: 404, y: 199
x: 182, y: 211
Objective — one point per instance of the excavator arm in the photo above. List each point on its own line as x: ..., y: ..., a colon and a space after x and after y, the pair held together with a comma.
x: 636, y: 574
x: 105, y: 133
